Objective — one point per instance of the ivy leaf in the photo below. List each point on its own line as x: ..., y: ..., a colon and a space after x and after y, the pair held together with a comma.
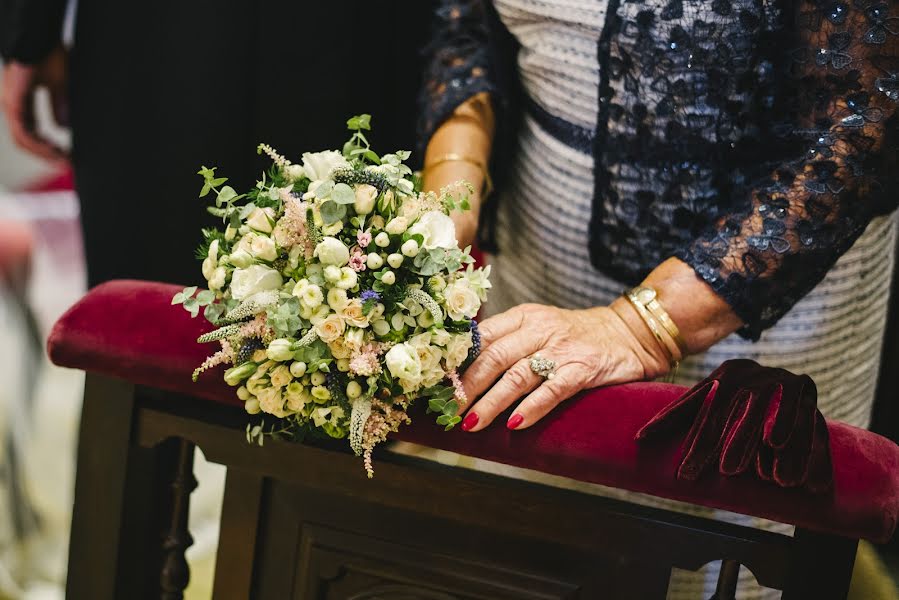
x: 343, y: 194
x: 332, y: 211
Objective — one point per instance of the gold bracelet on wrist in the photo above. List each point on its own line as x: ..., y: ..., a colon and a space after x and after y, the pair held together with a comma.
x: 453, y: 157
x: 660, y: 323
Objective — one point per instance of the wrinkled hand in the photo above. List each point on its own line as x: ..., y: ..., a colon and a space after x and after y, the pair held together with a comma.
x: 745, y: 416
x: 20, y: 82
x: 590, y: 347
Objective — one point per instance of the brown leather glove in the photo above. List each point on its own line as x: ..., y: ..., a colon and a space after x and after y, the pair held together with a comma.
x: 745, y: 416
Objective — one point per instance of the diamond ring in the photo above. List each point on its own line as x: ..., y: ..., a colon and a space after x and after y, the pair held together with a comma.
x: 543, y: 367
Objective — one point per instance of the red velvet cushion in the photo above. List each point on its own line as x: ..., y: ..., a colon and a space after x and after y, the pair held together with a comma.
x: 128, y: 329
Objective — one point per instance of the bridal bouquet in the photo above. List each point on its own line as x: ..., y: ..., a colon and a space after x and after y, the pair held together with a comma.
x: 339, y: 294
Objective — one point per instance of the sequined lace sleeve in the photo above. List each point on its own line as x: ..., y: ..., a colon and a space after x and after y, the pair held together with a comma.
x: 844, y: 78
x: 457, y: 62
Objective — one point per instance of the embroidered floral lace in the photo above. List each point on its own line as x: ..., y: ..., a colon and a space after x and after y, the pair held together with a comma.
x: 753, y: 140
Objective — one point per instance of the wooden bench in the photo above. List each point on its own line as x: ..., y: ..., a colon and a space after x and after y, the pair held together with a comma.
x: 303, y: 521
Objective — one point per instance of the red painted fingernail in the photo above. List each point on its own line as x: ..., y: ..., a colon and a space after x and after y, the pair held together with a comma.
x: 514, y: 421
x: 471, y: 419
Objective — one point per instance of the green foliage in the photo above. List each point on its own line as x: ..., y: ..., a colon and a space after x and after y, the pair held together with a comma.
x: 193, y: 303
x: 284, y: 318
x: 210, y: 234
x: 343, y: 194
x: 331, y: 211
x: 441, y: 400
x: 357, y: 147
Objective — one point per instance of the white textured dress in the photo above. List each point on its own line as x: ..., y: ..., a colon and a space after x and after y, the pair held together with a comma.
x: 834, y: 333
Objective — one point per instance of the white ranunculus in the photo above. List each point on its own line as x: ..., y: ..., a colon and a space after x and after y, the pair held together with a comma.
x: 397, y: 225
x: 365, y: 199
x: 332, y: 251
x: 461, y: 300
x: 403, y: 363
x: 262, y: 219
x: 437, y: 229
x: 318, y: 165
x: 263, y: 248
x: 337, y: 298
x: 254, y: 279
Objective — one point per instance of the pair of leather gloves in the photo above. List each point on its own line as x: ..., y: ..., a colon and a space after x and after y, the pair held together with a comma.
x: 744, y: 418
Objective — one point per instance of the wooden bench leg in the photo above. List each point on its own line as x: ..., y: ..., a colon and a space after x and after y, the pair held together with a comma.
x: 822, y: 566
x: 238, y: 535
x: 126, y: 498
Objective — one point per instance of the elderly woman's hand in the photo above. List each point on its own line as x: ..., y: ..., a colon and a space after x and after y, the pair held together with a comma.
x: 592, y: 347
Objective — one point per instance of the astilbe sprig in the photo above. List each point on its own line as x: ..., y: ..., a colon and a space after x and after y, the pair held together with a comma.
x: 383, y: 420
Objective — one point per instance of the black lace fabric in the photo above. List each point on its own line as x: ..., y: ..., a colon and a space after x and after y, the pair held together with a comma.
x: 755, y: 140
x: 844, y: 87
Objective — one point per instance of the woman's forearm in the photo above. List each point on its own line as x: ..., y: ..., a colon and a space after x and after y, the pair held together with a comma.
x: 701, y: 315
x: 468, y: 133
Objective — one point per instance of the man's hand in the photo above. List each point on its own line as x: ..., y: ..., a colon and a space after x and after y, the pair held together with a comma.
x: 17, y: 99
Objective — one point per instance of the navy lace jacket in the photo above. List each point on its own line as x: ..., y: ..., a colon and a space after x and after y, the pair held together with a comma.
x: 772, y: 133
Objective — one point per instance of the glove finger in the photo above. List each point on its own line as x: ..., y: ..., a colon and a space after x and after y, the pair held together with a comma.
x: 820, y: 469
x: 680, y: 413
x: 764, y: 463
x: 705, y: 438
x: 783, y: 410
x: 742, y: 433
x: 791, y: 461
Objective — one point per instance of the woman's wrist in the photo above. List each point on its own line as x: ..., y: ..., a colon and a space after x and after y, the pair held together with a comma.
x: 702, y: 316
x: 639, y: 339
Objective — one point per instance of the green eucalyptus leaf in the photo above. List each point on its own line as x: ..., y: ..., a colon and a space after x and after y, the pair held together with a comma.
x: 205, y: 297
x: 332, y: 211
x: 324, y: 189
x: 226, y: 195
x: 343, y: 194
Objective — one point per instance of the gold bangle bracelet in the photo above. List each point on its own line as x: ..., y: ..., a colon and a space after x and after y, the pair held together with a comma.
x: 650, y: 299
x: 652, y: 325
x: 452, y: 157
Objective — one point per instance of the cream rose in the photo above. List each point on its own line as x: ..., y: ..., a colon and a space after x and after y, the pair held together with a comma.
x: 271, y: 402
x: 461, y: 300
x: 217, y: 281
x: 331, y: 328
x: 339, y: 348
x: 254, y: 279
x: 457, y: 350
x: 365, y: 199
x: 318, y: 165
x: 263, y: 248
x: 280, y: 376
x: 352, y: 313
x: 437, y: 229
x: 397, y: 225
x: 262, y: 219
x: 332, y: 251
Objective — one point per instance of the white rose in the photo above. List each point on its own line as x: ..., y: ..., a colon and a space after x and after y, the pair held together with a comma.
x: 461, y: 300
x: 457, y: 350
x: 397, y: 225
x: 318, y: 165
x: 330, y: 329
x: 262, y: 219
x: 254, y: 279
x: 437, y: 229
x: 280, y: 376
x: 403, y: 363
x: 365, y: 199
x: 354, y: 337
x: 294, y: 172
x: 339, y: 349
x: 263, y: 248
x: 332, y: 251
x: 240, y: 259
